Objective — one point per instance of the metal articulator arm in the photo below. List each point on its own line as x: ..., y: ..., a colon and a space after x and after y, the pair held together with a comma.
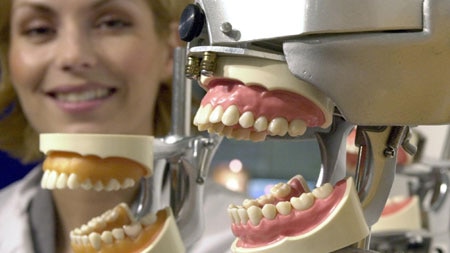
x: 182, y: 162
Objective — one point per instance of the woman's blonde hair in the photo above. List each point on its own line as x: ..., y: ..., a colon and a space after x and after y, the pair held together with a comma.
x: 17, y: 137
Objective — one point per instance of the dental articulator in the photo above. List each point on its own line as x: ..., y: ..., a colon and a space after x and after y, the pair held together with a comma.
x: 289, y: 70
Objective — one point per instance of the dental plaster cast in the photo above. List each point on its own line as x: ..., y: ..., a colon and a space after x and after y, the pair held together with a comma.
x: 251, y: 98
x: 293, y: 219
x: 400, y: 214
x: 109, y: 163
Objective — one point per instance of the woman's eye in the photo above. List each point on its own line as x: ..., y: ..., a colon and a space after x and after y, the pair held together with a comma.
x: 112, y: 23
x: 39, y: 31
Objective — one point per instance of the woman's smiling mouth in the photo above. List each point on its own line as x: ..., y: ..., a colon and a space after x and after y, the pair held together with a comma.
x: 81, y: 99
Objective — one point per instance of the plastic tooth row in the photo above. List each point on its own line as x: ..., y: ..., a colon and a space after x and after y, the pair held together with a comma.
x: 251, y: 210
x: 55, y: 180
x: 207, y: 116
x: 82, y: 236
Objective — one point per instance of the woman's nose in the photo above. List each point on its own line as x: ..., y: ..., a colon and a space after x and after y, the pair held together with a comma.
x: 75, y: 52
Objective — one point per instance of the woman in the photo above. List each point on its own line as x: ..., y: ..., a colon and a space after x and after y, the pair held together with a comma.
x: 83, y: 66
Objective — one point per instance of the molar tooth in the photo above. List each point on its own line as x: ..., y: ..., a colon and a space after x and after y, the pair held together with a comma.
x: 107, y: 237
x: 87, y: 184
x: 261, y: 124
x: 305, y: 201
x: 118, y: 234
x: 249, y: 202
x: 254, y: 215
x: 98, y: 186
x: 243, y: 216
x: 281, y: 190
x: 216, y: 115
x: 284, y: 207
x: 62, y: 181
x: 72, y: 181
x: 133, y: 230
x: 113, y: 185
x: 127, y: 183
x: 269, y: 211
x: 44, y: 179
x: 148, y: 219
x: 323, y: 191
x: 278, y: 126
x: 265, y: 199
x: 246, y: 120
x: 95, y: 240
x: 231, y: 116
x: 297, y: 127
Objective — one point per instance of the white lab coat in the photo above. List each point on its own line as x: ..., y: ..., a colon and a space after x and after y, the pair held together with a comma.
x: 16, y: 235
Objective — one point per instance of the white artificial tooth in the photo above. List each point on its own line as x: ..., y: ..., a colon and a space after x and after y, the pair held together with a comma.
x: 51, y: 181
x: 216, y: 115
x: 226, y: 131
x: 231, y: 116
x: 254, y: 215
x: 323, y: 191
x: 216, y: 128
x: 236, y: 218
x: 98, y: 186
x: 284, y: 207
x: 77, y: 231
x: 118, y: 234
x: 107, y: 237
x: 61, y: 183
x: 128, y: 183
x: 84, y: 229
x: 113, y: 185
x: 305, y: 201
x: 297, y: 127
x: 265, y: 199
x: 44, y: 179
x: 202, y: 115
x: 230, y: 213
x: 85, y: 240
x: 280, y: 190
x: 397, y: 199
x: 148, y: 219
x: 261, y: 124
x: 247, y: 119
x: 278, y: 126
x: 133, y: 230
x: 243, y: 216
x: 269, y: 211
x: 72, y: 181
x: 258, y: 136
x: 87, y: 184
x: 249, y: 202
x: 95, y: 240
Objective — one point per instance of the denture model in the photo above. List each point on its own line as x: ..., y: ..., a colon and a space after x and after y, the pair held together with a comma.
x: 247, y: 101
x: 109, y: 163
x: 116, y: 231
x: 292, y: 219
x: 400, y: 214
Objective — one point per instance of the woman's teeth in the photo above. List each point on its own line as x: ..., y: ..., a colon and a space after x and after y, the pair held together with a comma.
x: 88, y: 95
x: 254, y: 210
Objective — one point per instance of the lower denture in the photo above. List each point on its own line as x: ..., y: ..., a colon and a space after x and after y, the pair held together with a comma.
x: 295, y: 223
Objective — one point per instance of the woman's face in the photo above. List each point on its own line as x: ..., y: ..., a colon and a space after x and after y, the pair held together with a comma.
x: 87, y: 65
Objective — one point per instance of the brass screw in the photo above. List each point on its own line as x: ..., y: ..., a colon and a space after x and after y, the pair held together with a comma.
x: 192, y: 70
x: 208, y: 64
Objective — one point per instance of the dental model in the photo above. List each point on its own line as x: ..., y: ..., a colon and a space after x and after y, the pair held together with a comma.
x: 117, y: 231
x: 399, y: 215
x: 259, y: 103
x: 293, y: 219
x: 109, y: 163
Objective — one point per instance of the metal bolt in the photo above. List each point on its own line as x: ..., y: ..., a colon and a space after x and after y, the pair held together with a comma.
x: 389, y: 152
x: 226, y: 27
